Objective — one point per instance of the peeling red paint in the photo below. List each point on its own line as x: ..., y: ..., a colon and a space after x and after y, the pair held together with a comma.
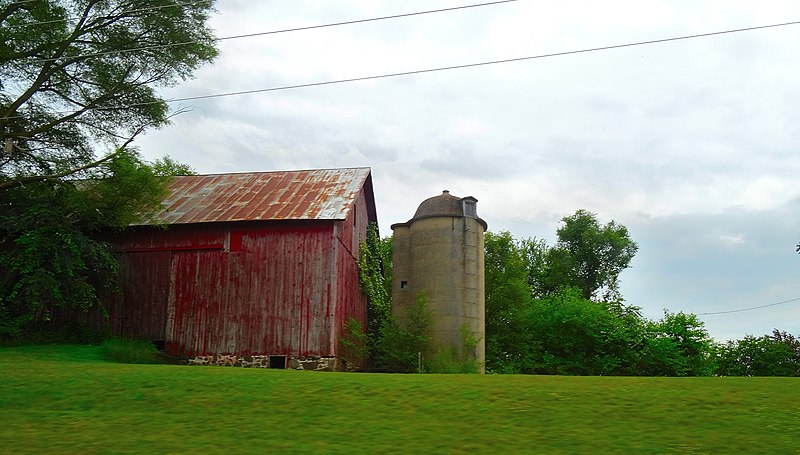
x: 267, y: 286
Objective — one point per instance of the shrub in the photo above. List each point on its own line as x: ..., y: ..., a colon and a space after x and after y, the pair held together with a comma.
x: 447, y: 361
x: 355, y: 342
x: 128, y: 350
x: 403, y: 341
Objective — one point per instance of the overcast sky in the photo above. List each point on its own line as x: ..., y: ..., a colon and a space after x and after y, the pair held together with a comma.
x: 691, y: 144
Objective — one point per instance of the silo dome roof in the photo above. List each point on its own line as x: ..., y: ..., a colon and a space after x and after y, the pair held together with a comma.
x: 444, y: 204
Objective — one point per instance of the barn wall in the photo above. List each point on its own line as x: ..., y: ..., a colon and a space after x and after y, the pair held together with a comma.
x: 278, y: 298
x: 199, y: 283
x: 146, y: 256
x: 175, y: 238
x: 273, y: 288
x: 351, y: 301
x: 143, y: 311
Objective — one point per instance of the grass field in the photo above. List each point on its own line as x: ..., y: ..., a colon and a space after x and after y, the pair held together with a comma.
x: 65, y: 399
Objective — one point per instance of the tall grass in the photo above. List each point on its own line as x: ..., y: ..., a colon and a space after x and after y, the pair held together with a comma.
x: 128, y: 350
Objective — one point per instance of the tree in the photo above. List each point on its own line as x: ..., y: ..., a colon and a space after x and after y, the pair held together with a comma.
x: 508, y: 295
x: 676, y: 345
x: 590, y: 256
x: 78, y: 79
x: 78, y: 83
x: 538, y: 318
x: 775, y: 355
x: 49, y: 256
x: 577, y: 336
x: 166, y: 166
x: 543, y: 315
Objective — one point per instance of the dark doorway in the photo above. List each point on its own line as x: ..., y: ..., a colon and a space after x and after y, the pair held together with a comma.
x: 277, y: 361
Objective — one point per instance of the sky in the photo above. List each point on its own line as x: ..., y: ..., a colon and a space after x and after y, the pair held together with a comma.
x: 691, y: 144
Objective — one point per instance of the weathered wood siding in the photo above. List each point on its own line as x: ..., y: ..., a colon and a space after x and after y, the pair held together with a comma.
x: 145, y: 278
x: 352, y: 302
x: 250, y: 264
x: 271, y: 288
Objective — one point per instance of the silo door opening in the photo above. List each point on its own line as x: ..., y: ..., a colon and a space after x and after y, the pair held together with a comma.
x: 277, y: 361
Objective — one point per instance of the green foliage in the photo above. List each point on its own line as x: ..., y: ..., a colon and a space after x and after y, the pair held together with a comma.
x: 375, y: 272
x: 166, y: 167
x: 775, y: 355
x: 356, y: 343
x: 591, y: 256
x: 454, y: 361
x: 677, y: 345
x: 71, y: 331
x: 507, y: 296
x: 405, y: 340
x: 127, y: 350
x: 543, y: 317
x: 50, y: 257
x: 536, y: 322
x: 577, y: 336
x: 375, y: 280
x: 468, y: 339
x: 80, y: 75
x: 448, y: 361
x: 49, y: 267
x: 77, y: 85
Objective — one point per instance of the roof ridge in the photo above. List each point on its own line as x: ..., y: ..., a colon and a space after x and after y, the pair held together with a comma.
x: 278, y: 171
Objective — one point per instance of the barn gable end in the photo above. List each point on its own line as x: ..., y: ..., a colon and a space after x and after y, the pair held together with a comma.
x: 242, y: 265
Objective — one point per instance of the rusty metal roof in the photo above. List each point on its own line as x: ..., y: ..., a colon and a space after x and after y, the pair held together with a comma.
x: 323, y: 194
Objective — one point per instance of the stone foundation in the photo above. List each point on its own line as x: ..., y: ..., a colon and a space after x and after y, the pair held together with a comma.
x: 312, y: 363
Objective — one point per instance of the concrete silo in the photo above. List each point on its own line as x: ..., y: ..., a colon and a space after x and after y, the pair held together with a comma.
x: 440, y: 252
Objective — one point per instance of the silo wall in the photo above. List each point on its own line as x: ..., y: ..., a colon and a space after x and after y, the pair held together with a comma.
x: 442, y: 256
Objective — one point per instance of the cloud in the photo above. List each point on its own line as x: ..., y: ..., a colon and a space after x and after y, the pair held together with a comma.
x: 691, y: 144
x: 719, y: 262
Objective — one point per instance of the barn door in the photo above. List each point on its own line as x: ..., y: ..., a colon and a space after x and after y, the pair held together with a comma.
x: 195, y: 324
x: 145, y: 278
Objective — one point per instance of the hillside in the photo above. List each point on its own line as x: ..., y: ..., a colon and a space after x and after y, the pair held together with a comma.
x: 65, y: 399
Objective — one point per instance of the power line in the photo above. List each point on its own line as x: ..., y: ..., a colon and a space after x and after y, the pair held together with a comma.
x: 472, y: 65
x: 749, y: 309
x: 273, y: 32
x: 360, y: 21
x: 446, y: 68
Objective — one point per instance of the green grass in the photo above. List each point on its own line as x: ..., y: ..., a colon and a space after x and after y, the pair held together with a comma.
x: 67, y: 399
x: 127, y: 350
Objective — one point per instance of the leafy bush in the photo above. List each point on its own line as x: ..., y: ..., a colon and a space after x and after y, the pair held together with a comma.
x: 448, y: 361
x: 404, y: 340
x: 769, y: 355
x: 356, y: 343
x: 128, y: 350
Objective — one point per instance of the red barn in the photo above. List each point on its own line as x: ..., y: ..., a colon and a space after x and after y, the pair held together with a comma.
x: 254, y: 267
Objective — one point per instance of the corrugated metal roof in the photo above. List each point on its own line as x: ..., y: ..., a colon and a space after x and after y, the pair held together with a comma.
x: 322, y: 194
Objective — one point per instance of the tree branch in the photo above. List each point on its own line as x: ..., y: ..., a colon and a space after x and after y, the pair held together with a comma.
x: 20, y: 181
x: 49, y: 66
x: 84, y: 107
x: 10, y: 9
